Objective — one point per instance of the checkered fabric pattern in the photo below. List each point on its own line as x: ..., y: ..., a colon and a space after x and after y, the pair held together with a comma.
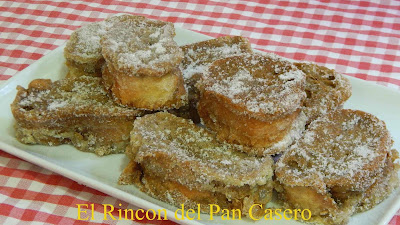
x: 357, y: 38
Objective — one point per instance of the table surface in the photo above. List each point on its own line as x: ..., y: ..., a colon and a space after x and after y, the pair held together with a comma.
x: 357, y: 38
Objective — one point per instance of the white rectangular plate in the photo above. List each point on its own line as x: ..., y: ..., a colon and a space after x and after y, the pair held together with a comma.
x: 102, y: 173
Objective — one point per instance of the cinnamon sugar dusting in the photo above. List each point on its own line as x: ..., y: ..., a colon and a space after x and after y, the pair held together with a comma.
x: 84, y: 43
x: 142, y: 44
x: 260, y: 83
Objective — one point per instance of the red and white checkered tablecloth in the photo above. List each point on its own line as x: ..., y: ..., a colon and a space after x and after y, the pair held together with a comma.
x: 357, y: 38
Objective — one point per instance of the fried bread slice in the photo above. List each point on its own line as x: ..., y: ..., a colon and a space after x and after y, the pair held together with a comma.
x: 146, y: 92
x: 178, y: 162
x: 74, y: 111
x: 326, y: 90
x: 83, y: 50
x: 251, y: 99
x: 142, y: 62
x: 333, y: 168
x: 197, y: 57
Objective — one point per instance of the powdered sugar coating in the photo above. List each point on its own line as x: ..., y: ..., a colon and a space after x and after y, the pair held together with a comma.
x: 198, y: 56
x: 142, y: 47
x: 345, y: 147
x: 184, y: 146
x: 257, y: 83
x: 84, y: 43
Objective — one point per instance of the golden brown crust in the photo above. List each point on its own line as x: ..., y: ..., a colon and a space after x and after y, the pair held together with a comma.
x: 218, y: 116
x: 337, y: 162
x: 144, y: 92
x: 76, y: 111
x: 326, y: 90
x: 252, y: 99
